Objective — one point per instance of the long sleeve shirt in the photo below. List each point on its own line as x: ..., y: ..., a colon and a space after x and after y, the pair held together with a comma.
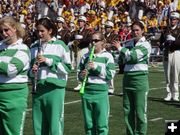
x: 103, y: 72
x: 136, y: 58
x: 14, y: 64
x: 57, y: 66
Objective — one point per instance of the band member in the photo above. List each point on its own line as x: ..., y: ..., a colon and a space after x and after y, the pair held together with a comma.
x: 54, y: 66
x: 82, y: 36
x: 14, y: 64
x: 170, y: 43
x: 63, y: 33
x: 31, y: 35
x: 95, y: 100
x: 110, y: 37
x: 135, y: 80
x: 71, y: 44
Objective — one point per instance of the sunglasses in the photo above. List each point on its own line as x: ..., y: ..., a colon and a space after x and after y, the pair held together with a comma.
x: 4, y: 30
x: 95, y: 40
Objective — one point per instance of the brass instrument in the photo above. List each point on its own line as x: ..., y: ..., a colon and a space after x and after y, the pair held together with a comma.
x: 74, y: 47
x: 76, y: 42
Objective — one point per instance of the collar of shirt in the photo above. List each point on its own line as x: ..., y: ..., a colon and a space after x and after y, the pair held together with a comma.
x: 102, y: 51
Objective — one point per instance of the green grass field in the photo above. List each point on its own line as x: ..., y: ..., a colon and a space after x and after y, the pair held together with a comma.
x: 158, y: 110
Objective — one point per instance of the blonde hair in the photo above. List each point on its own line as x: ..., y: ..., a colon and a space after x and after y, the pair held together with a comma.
x: 20, y: 31
x: 101, y: 37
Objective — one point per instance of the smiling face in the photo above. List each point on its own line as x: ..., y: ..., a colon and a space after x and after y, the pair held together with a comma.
x: 44, y: 34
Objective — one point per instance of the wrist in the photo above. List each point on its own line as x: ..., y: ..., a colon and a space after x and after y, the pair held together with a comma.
x: 49, y: 61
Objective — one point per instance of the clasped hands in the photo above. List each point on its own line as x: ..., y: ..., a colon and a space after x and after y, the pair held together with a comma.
x: 90, y: 66
x: 40, y: 59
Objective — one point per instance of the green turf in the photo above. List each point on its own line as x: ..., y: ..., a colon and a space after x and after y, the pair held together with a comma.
x: 158, y: 110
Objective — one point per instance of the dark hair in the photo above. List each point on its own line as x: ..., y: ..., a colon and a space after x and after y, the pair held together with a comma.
x: 139, y: 23
x: 48, y: 24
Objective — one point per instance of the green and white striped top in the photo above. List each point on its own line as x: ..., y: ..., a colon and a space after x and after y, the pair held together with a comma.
x: 58, y: 63
x: 137, y: 57
x: 14, y: 64
x: 103, y: 72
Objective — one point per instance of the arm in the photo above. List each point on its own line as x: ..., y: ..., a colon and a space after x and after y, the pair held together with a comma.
x: 16, y: 65
x: 104, y: 70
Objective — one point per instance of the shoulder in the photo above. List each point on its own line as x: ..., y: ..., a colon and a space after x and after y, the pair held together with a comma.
x: 24, y: 47
x: 20, y: 45
x: 107, y: 55
x: 143, y: 42
x: 61, y: 44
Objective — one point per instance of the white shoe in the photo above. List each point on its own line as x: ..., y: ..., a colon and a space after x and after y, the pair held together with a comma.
x: 175, y: 99
x: 175, y: 96
x: 78, y: 87
x: 168, y: 98
x: 111, y: 91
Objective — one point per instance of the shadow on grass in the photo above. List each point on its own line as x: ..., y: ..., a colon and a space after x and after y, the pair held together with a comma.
x: 161, y: 100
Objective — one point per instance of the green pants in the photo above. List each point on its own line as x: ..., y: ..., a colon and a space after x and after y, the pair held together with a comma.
x: 13, y: 104
x: 135, y: 106
x: 48, y: 111
x: 96, y: 114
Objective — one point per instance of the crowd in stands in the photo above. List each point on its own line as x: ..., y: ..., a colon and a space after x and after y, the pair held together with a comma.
x: 122, y: 13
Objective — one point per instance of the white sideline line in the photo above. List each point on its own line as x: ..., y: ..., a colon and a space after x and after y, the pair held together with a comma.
x: 67, y: 103
x: 156, y: 119
x: 28, y: 110
x: 72, y: 102
x: 76, y: 101
x: 157, y: 88
x: 72, y: 77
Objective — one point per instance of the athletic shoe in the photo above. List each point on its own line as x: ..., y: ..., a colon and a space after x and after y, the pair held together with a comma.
x: 78, y: 87
x: 168, y: 98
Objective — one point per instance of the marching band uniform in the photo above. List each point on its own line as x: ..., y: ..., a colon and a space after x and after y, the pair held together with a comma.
x: 110, y: 37
x: 170, y: 42
x: 134, y: 91
x: 54, y: 67
x: 83, y: 36
x: 135, y: 80
x: 95, y: 100
x: 52, y: 79
x: 14, y: 64
x: 63, y: 34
